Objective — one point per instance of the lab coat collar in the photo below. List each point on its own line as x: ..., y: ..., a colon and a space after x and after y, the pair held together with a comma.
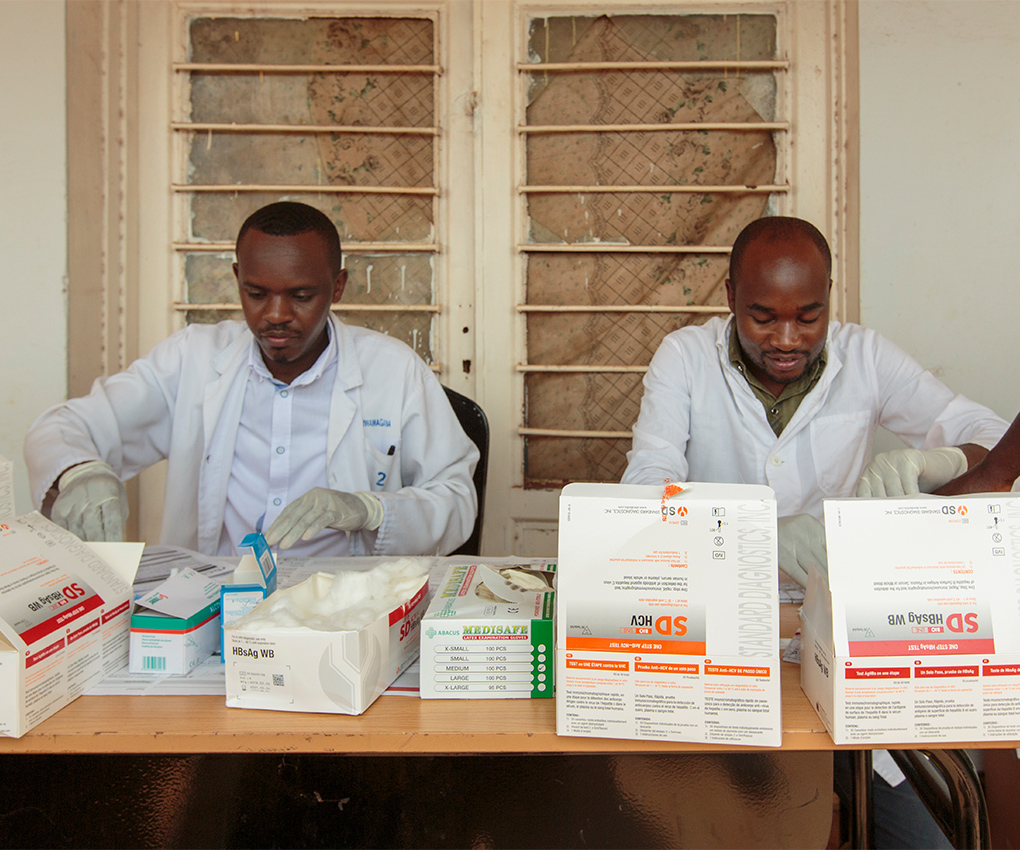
x: 812, y: 402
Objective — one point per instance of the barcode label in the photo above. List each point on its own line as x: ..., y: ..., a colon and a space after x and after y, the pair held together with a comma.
x: 153, y: 662
x: 278, y: 680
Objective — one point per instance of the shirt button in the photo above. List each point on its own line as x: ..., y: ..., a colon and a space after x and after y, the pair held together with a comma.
x: 776, y: 460
x: 277, y: 502
x: 280, y: 450
x: 283, y: 394
x: 775, y: 411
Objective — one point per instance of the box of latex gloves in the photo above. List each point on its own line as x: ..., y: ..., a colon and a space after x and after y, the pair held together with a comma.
x: 330, y: 644
x: 668, y: 614
x: 488, y: 633
x: 914, y: 636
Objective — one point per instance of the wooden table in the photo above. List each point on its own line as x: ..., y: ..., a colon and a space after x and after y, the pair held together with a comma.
x: 393, y: 725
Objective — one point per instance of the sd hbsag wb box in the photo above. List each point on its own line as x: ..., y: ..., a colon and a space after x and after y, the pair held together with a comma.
x: 63, y: 617
x: 307, y: 668
x: 914, y: 636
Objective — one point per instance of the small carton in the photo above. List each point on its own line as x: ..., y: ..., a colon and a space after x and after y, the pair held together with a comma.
x: 64, y: 613
x: 175, y: 626
x: 913, y: 636
x: 488, y: 633
x: 300, y: 668
x: 253, y: 580
x: 668, y: 614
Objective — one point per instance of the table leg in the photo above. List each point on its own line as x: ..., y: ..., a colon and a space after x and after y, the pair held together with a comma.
x: 862, y: 824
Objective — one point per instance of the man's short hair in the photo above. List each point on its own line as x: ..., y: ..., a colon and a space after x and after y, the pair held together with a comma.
x: 776, y: 228
x: 290, y: 218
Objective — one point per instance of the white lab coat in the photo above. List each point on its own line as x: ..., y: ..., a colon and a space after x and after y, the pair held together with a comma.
x: 700, y: 421
x: 167, y: 405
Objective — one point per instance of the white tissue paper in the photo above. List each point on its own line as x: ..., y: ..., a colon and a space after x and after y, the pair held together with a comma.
x: 332, y: 643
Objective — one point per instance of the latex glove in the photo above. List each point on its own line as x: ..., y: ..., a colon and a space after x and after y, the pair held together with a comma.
x: 801, y: 544
x: 91, y: 502
x: 320, y: 508
x: 903, y: 472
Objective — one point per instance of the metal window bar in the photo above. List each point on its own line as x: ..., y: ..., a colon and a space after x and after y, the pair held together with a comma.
x: 309, y: 129
x: 352, y: 248
x: 684, y: 65
x: 282, y: 68
x: 201, y: 306
x: 304, y: 188
x: 736, y: 127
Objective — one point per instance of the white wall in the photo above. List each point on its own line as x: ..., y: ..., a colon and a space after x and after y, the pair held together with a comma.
x: 33, y: 221
x: 940, y: 187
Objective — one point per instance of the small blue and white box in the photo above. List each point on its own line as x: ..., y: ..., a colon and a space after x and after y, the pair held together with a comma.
x: 254, y: 580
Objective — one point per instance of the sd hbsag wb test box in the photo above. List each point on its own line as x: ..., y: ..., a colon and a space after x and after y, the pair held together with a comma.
x: 668, y: 614
x: 63, y: 618
x: 915, y: 635
x: 300, y: 668
x: 488, y: 633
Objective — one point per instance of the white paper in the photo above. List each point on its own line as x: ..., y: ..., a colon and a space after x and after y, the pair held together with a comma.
x: 182, y: 595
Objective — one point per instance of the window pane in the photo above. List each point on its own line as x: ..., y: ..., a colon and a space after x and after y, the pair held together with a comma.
x: 401, y: 100
x: 594, y: 161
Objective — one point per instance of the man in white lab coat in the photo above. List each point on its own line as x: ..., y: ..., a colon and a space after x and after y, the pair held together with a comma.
x: 334, y: 439
x: 777, y: 394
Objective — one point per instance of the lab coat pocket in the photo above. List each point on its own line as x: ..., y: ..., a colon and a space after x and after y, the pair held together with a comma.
x: 384, y: 468
x: 839, y: 450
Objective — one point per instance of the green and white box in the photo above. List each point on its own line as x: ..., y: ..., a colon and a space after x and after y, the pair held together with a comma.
x: 176, y: 626
x: 488, y: 633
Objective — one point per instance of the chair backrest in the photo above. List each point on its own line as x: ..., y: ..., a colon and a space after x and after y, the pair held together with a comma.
x: 476, y: 426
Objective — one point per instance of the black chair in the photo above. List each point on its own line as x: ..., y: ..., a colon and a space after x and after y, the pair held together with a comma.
x: 476, y: 426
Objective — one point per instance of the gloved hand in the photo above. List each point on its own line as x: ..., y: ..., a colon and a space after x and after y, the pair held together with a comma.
x: 903, y: 472
x: 91, y: 502
x: 320, y: 508
x: 801, y: 543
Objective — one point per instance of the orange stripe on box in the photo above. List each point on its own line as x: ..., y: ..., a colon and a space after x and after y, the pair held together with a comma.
x: 674, y: 669
x: 733, y: 670
x: 658, y: 647
x: 596, y: 664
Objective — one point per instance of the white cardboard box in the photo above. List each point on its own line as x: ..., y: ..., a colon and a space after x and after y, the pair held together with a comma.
x: 485, y: 638
x: 253, y: 580
x: 63, y: 617
x: 339, y: 672
x: 175, y: 626
x: 916, y: 635
x: 668, y: 614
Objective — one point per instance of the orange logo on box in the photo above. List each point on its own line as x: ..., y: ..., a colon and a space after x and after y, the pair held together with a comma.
x: 962, y: 510
x: 669, y: 491
x: 667, y: 625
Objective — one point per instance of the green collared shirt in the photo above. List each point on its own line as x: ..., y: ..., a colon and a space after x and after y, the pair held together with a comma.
x: 779, y: 409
